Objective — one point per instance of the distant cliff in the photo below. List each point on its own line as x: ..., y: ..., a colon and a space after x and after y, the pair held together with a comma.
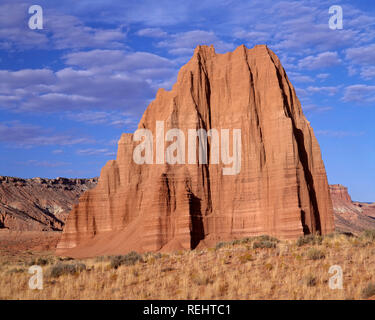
x: 351, y: 216
x: 39, y: 204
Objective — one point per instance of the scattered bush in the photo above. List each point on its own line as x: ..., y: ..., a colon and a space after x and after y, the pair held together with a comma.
x: 310, y: 280
x: 310, y: 239
x: 201, y: 279
x: 315, y: 254
x: 66, y: 259
x: 368, y: 235
x: 220, y: 245
x: 154, y: 255
x: 41, y: 261
x: 60, y: 269
x: 264, y: 244
x: 102, y: 258
x: 16, y: 270
x: 263, y: 241
x: 266, y: 238
x: 369, y: 291
x: 128, y: 260
x: 246, y: 257
x: 167, y: 269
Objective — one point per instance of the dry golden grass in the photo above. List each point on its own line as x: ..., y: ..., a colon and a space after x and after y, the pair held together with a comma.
x: 230, y: 271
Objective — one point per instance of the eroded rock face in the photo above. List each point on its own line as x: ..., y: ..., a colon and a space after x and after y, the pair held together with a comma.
x: 350, y: 216
x: 39, y: 204
x: 281, y: 189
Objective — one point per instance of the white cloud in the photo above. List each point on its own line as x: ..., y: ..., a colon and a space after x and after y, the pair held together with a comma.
x: 181, y: 43
x: 315, y: 108
x: 322, y: 76
x: 322, y: 60
x: 362, y: 55
x: 338, y: 133
x: 331, y: 91
x: 45, y: 163
x: 368, y: 72
x: 24, y: 135
x: 95, y: 152
x: 298, y: 77
x: 152, y: 33
x: 360, y: 93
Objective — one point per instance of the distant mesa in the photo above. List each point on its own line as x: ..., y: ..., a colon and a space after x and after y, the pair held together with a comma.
x: 351, y: 216
x: 39, y: 204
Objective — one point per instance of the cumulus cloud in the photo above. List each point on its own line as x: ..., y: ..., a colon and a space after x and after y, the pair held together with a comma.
x: 45, y: 163
x: 319, y: 61
x: 26, y: 135
x: 339, y: 133
x: 184, y: 42
x: 315, y: 108
x: 60, y: 31
x: 368, y: 72
x: 95, y: 152
x: 322, y: 76
x: 331, y: 91
x: 362, y: 55
x: 253, y: 37
x: 107, y: 79
x: 117, y: 119
x: 152, y: 33
x: 298, y: 77
x: 359, y: 93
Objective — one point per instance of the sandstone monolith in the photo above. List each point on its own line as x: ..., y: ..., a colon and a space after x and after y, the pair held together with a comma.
x: 281, y: 189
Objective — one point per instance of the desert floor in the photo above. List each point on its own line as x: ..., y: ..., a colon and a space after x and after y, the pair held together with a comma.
x: 251, y: 268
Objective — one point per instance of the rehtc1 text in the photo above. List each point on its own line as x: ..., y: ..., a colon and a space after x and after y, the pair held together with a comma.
x: 190, y: 309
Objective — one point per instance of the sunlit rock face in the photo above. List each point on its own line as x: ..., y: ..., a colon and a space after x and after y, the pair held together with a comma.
x: 280, y: 187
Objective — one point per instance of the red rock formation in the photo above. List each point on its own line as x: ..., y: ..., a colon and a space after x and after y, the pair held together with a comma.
x: 281, y: 190
x: 351, y: 216
x: 339, y: 194
x: 38, y: 204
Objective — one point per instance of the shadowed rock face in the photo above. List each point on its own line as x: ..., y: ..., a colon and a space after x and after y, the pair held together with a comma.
x: 281, y: 190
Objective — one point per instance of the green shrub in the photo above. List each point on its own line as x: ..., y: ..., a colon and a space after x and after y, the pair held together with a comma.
x: 315, y: 254
x: 369, y: 291
x: 220, y: 245
x: 128, y: 260
x: 310, y: 239
x: 41, y: 261
x: 266, y: 238
x: 60, y: 269
x: 264, y: 244
x: 102, y: 258
x: 264, y: 241
x: 16, y: 270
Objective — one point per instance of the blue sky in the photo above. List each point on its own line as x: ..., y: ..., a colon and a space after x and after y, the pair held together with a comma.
x: 67, y: 92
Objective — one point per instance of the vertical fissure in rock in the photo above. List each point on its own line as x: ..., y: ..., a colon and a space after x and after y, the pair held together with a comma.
x: 196, y: 220
x: 314, y: 213
x: 262, y: 158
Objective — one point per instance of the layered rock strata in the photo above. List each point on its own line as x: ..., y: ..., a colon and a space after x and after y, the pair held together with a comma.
x: 281, y: 188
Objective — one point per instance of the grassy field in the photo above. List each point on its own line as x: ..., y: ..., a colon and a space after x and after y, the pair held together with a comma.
x: 252, y: 268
